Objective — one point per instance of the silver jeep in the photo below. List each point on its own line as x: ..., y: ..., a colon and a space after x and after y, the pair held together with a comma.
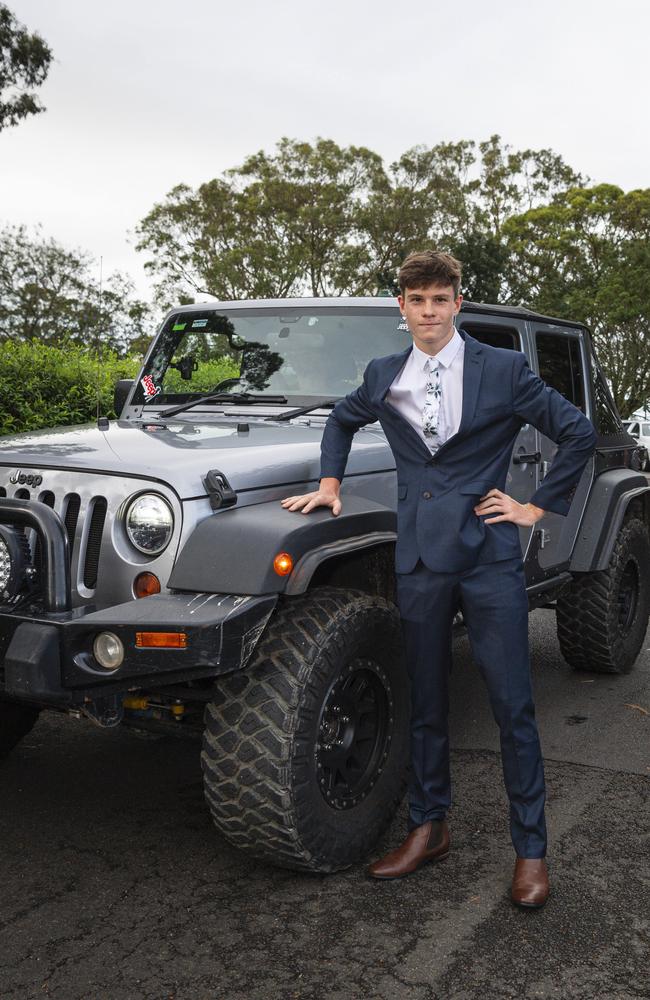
x: 150, y: 576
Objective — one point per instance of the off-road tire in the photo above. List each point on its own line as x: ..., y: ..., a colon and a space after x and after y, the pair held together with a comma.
x: 264, y: 749
x: 602, y: 617
x: 15, y: 722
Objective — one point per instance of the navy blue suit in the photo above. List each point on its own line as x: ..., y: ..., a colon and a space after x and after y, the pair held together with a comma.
x: 448, y: 557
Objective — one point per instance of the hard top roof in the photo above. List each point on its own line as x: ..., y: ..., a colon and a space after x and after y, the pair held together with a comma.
x: 381, y: 302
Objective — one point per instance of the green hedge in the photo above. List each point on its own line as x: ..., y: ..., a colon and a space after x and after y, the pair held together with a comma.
x: 206, y: 377
x: 44, y: 386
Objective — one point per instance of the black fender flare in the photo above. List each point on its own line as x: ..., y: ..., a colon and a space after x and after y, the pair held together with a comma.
x: 232, y: 550
x: 610, y: 496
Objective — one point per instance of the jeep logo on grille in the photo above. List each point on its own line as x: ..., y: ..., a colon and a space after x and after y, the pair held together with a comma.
x: 25, y: 478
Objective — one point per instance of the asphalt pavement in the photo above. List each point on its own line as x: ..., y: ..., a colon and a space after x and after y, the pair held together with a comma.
x: 116, y: 887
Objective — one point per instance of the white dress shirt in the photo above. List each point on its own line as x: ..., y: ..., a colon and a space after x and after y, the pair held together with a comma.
x: 407, y: 392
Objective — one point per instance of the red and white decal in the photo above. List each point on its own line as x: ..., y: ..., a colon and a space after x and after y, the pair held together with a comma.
x: 149, y: 386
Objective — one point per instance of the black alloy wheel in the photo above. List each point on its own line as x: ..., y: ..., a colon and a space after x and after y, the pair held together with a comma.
x: 354, y: 733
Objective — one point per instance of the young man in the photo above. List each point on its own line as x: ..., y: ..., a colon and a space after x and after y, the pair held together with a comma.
x: 451, y: 409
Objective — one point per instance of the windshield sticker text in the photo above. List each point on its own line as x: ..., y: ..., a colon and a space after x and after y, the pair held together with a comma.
x: 149, y: 386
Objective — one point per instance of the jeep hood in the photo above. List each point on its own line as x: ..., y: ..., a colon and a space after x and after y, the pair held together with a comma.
x: 181, y: 452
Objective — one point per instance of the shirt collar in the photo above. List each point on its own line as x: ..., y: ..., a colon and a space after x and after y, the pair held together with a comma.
x: 445, y: 356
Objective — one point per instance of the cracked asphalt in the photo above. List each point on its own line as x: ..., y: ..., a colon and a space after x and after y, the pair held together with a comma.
x: 115, y: 886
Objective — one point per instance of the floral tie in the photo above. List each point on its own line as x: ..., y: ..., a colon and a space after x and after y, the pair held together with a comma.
x: 431, y: 410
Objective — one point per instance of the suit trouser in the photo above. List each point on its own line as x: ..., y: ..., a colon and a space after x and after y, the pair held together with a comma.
x: 493, y: 600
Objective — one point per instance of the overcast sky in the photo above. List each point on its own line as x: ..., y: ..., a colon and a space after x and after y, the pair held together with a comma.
x: 143, y: 95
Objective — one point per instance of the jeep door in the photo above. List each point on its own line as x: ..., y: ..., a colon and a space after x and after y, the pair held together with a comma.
x: 561, y: 358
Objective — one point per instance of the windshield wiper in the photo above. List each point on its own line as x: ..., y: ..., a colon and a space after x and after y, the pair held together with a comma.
x: 305, y: 409
x: 222, y: 397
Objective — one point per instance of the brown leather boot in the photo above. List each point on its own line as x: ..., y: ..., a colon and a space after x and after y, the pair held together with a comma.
x: 429, y: 842
x: 530, y: 887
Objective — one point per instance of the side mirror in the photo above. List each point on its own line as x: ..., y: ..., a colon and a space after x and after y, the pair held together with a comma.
x: 122, y: 390
x: 186, y: 366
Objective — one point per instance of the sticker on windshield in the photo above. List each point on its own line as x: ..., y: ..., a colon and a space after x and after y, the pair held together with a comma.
x: 403, y: 325
x: 149, y: 386
x: 198, y: 324
x: 179, y: 326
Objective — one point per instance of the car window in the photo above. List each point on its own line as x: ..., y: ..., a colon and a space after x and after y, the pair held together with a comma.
x: 633, y: 429
x: 288, y: 350
x: 560, y: 365
x: 495, y: 336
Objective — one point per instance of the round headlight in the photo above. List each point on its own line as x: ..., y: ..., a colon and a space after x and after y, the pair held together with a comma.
x: 149, y: 523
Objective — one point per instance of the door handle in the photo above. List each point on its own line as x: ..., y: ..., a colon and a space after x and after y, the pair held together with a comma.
x: 524, y: 459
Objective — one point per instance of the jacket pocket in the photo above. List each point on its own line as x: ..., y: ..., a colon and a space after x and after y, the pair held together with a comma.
x: 480, y: 486
x: 402, y: 490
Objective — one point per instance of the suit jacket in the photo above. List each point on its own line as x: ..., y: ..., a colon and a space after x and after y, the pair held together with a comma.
x: 436, y: 493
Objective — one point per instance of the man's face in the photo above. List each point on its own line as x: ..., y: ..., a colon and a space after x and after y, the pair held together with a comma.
x: 430, y: 315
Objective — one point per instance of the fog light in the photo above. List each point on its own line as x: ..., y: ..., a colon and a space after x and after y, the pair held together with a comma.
x: 146, y: 584
x: 108, y: 650
x: 283, y: 564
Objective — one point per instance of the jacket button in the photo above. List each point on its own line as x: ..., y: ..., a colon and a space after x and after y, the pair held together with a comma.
x: 426, y: 495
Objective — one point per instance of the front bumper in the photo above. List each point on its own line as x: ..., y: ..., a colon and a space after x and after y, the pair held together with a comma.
x: 48, y: 659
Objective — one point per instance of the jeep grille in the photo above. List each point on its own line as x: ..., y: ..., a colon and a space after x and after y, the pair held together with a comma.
x: 89, y: 538
x: 103, y: 565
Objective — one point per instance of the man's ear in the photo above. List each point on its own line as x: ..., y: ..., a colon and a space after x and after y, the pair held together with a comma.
x: 457, y: 304
x: 400, y: 302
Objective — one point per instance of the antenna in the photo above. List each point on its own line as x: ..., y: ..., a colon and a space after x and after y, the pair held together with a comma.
x: 102, y: 422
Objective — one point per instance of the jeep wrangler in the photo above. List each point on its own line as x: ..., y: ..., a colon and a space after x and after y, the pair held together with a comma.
x: 150, y: 576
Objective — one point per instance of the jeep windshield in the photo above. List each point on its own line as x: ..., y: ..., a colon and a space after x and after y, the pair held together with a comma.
x: 301, y: 354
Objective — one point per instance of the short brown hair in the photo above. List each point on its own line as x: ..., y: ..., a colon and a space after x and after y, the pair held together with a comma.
x: 430, y: 267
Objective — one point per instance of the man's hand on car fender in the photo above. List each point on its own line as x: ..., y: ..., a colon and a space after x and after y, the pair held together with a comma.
x: 326, y: 496
x: 508, y: 509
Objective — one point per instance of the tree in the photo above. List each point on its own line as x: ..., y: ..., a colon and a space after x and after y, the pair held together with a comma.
x: 24, y: 63
x: 455, y: 196
x: 275, y: 226
x: 321, y: 219
x: 586, y: 256
x: 51, y: 294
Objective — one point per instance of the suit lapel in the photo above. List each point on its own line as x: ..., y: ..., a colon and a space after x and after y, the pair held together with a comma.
x: 472, y: 371
x: 393, y: 367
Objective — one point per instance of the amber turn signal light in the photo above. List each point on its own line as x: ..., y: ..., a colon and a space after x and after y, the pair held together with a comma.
x: 283, y: 564
x: 161, y: 640
x: 146, y: 584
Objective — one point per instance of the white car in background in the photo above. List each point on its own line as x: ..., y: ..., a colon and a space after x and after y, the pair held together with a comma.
x: 640, y: 429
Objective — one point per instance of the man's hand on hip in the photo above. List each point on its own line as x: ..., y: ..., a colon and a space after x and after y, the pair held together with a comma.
x: 507, y: 509
x: 326, y: 496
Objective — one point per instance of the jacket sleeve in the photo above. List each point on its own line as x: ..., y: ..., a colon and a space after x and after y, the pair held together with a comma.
x: 348, y: 415
x: 548, y: 410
